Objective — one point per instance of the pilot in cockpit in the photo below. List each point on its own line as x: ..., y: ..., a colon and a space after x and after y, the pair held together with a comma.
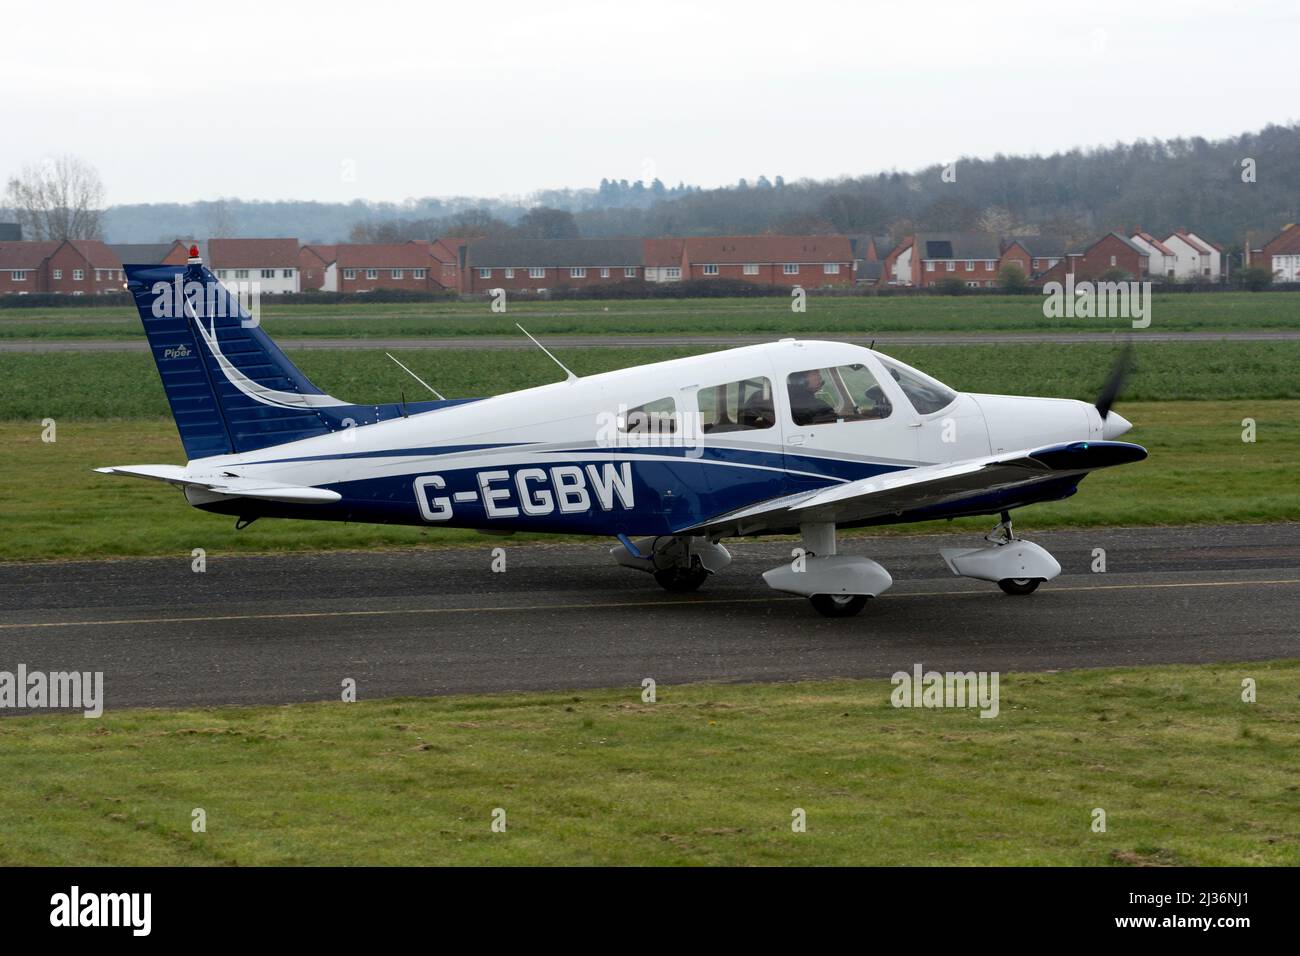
x: 806, y: 406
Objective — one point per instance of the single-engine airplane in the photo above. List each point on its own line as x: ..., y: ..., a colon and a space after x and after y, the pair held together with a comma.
x: 671, y: 458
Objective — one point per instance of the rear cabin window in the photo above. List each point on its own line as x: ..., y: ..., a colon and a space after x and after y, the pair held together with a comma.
x: 846, y: 393
x: 653, y: 418
x: 926, y: 394
x: 737, y: 406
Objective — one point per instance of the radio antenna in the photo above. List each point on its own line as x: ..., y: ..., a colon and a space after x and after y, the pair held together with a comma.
x: 572, y: 377
x: 417, y: 378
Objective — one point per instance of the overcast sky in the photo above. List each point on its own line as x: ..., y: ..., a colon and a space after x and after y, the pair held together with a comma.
x: 385, y: 100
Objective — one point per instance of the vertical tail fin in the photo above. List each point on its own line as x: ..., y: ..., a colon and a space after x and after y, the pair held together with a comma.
x: 230, y: 388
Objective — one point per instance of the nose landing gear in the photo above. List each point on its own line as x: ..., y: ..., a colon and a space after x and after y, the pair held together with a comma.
x: 1017, y: 566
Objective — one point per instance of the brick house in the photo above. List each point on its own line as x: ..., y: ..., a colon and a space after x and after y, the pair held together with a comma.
x: 1111, y: 252
x: 896, y: 267
x: 449, y: 262
x: 315, y: 263
x: 408, y: 266
x: 664, y: 259
x: 22, y: 267
x: 1281, y: 254
x: 972, y: 258
x: 1035, y: 254
x: 271, y: 263
x: 83, y: 267
x: 808, y: 261
x: 541, y: 264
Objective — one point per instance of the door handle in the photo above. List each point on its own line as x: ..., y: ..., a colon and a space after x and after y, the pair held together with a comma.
x: 796, y: 439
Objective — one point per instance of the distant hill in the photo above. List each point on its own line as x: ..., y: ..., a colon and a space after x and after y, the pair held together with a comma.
x: 1158, y: 185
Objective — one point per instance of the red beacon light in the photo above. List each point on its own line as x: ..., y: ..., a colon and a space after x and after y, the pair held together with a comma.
x: 194, y: 255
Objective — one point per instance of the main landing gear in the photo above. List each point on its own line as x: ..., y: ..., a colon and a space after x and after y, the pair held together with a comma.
x: 837, y: 585
x: 1017, y: 566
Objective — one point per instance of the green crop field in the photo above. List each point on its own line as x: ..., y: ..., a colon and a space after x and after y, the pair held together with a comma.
x: 857, y: 315
x: 1185, y: 771
x: 91, y: 385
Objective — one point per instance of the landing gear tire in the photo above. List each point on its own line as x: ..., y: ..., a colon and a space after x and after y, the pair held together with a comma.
x: 1019, y: 586
x: 839, y: 605
x: 681, y: 580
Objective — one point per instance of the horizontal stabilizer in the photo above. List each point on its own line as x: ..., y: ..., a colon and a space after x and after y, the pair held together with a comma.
x: 229, y: 485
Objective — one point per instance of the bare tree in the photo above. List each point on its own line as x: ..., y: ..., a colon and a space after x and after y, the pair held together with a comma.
x: 60, y: 198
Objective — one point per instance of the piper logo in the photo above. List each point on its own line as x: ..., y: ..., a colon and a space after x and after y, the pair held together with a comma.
x: 180, y: 351
x: 103, y: 909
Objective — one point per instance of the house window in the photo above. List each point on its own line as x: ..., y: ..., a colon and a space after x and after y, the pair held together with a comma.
x: 1036, y: 262
x: 751, y: 268
x: 78, y: 275
x: 485, y: 273
x: 831, y: 269
x: 510, y: 273
x: 1052, y: 262
x: 372, y: 273
x: 929, y: 265
x: 950, y: 265
x: 604, y: 272
x: 417, y: 273
x: 286, y: 273
x: 241, y: 273
x: 221, y: 273
x: 537, y: 272
x: 673, y: 272
x: 790, y: 268
x: 20, y: 275
x: 1112, y: 260
x: 990, y: 265
x: 578, y: 272
x: 58, y: 273
x: 349, y: 273
x: 268, y: 273
x: 710, y: 270
x: 629, y: 272
x: 395, y: 273
x: 970, y: 265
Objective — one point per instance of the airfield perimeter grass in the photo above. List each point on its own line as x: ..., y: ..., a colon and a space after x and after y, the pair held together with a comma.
x: 63, y: 385
x: 710, y: 774
x: 53, y: 506
x: 1216, y: 311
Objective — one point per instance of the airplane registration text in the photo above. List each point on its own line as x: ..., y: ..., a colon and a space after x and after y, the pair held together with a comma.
x: 532, y: 491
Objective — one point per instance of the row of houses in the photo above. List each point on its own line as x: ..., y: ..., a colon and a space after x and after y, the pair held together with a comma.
x: 470, y: 266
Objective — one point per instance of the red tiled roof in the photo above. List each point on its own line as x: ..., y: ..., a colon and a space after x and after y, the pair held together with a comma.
x: 392, y: 255
x: 1155, y: 243
x: 1286, y: 242
x: 25, y: 255
x: 96, y: 253
x: 326, y: 254
x: 252, y: 253
x: 663, y: 252
x: 768, y: 249
x: 1191, y: 241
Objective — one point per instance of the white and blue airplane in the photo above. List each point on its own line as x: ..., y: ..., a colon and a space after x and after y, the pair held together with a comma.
x: 787, y: 437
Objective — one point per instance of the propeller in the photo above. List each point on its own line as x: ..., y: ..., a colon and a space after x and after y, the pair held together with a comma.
x: 1115, y: 425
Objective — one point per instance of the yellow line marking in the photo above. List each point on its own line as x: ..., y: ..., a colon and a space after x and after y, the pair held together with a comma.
x: 290, y: 615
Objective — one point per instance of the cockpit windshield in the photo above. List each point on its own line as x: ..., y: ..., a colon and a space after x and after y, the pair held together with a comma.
x: 926, y: 394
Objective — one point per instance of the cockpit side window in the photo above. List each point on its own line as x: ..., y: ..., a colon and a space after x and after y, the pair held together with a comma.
x: 653, y: 418
x: 926, y: 394
x: 737, y: 406
x: 846, y: 393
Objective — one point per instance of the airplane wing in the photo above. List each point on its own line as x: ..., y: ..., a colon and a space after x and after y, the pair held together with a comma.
x: 906, y: 490
x: 225, y: 484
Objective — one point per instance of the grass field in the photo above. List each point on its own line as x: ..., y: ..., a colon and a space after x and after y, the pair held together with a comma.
x: 1185, y: 772
x: 91, y: 385
x: 1219, y: 311
x: 53, y: 506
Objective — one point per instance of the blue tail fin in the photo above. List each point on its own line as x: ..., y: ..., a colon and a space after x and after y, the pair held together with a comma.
x: 230, y: 387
